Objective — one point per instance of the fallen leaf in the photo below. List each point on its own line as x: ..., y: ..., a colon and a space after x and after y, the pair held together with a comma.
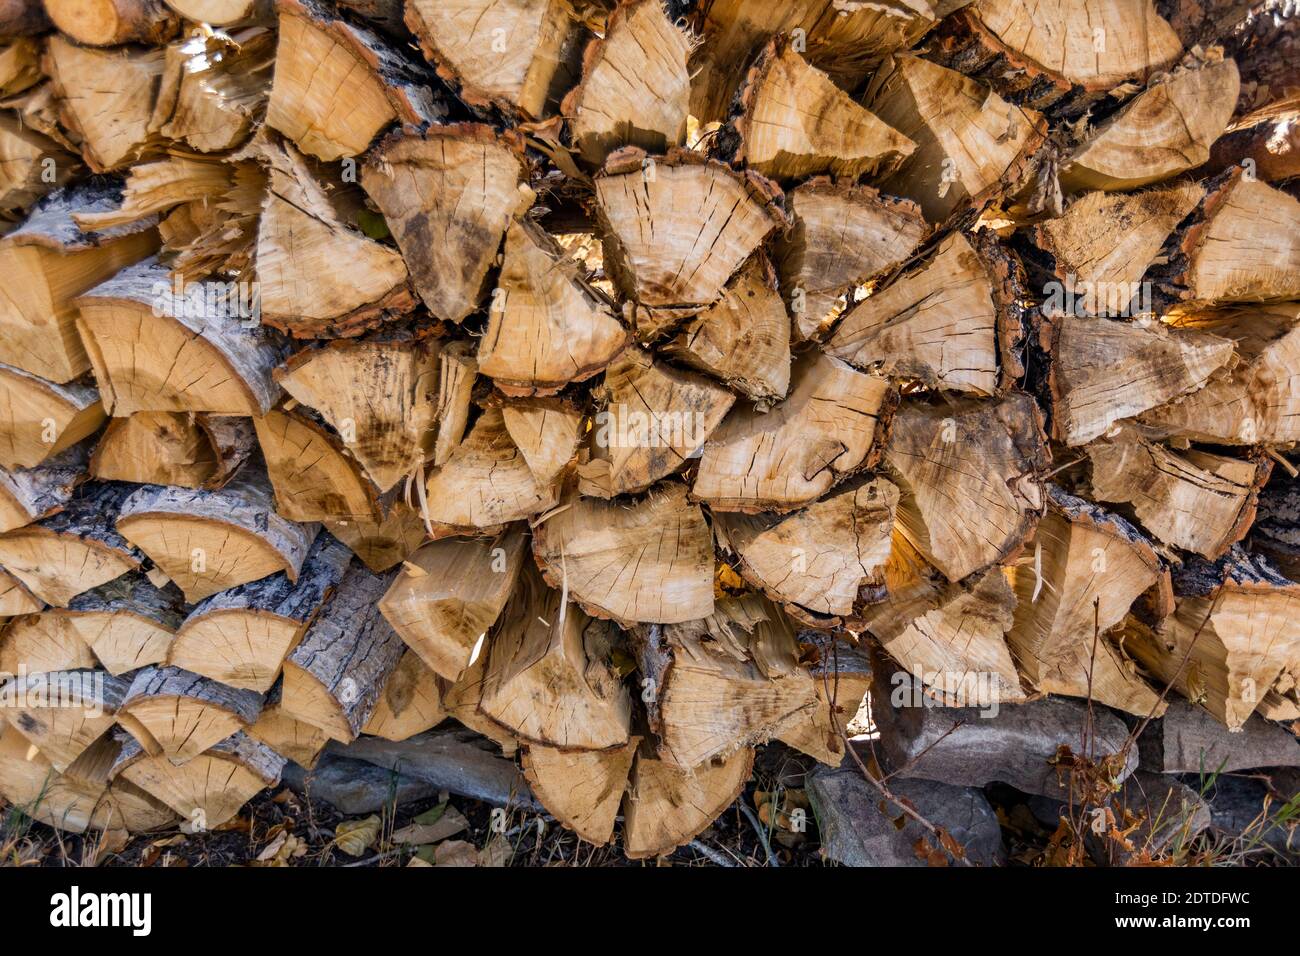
x: 455, y: 853
x: 355, y: 837
x: 447, y: 825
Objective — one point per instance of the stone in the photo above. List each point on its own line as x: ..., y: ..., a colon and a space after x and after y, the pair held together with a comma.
x: 1188, y: 739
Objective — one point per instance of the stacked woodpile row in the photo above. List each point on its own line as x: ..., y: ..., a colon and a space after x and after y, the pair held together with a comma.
x: 617, y: 378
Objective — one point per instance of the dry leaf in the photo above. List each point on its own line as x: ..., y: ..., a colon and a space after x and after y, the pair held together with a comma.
x: 355, y: 837
x: 448, y: 824
x: 455, y: 853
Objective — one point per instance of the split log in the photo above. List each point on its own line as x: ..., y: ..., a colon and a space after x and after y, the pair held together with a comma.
x: 127, y: 623
x: 636, y: 86
x: 379, y: 393
x: 337, y: 85
x: 1252, y: 402
x: 843, y: 237
x: 513, y: 56
x: 845, y: 41
x: 676, y: 228
x: 666, y: 807
x: 1244, y: 245
x: 74, y: 550
x: 546, y: 432
x: 583, y: 790
x: 1068, y: 55
x: 241, y: 637
x: 1267, y: 141
x: 210, y: 789
x: 815, y: 560
x: 291, y: 738
x: 31, y: 164
x: 935, y: 325
x: 719, y: 685
x: 158, y: 345
x: 334, y: 678
x: 1195, y: 500
x: 462, y: 700
x: 449, y: 594
x: 457, y: 371
x: 44, y: 642
x: 42, y: 418
x: 1276, y: 530
x: 950, y: 637
x: 546, y: 680
x: 1236, y: 627
x: 650, y: 561
x: 210, y: 541
x: 221, y: 84
x: 106, y: 98
x: 654, y: 418
x: 786, y: 458
x: 986, y: 458
x: 221, y: 13
x: 1160, y: 133
x: 1103, y: 371
x: 1088, y: 568
x: 485, y: 483
x: 381, y: 545
x: 410, y: 703
x: 313, y: 477
x: 114, y: 22
x: 547, y: 325
x: 1104, y: 243
x: 448, y: 197
x: 842, y: 677
x: 179, y: 715
x: 57, y: 262
x: 63, y: 713
x: 796, y: 122
x: 970, y: 143
x: 20, y: 60
x: 15, y: 599
x: 173, y: 448
x: 743, y: 338
x: 152, y: 188
x: 30, y: 494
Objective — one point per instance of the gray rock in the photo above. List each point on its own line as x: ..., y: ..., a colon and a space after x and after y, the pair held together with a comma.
x: 1236, y: 804
x: 856, y: 832
x: 1188, y: 739
x: 354, y: 786
x: 1173, y: 812
x: 1013, y: 745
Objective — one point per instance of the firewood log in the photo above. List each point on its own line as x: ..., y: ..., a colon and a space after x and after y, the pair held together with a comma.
x: 63, y: 713
x: 1103, y: 244
x: 649, y: 561
x: 221, y: 88
x: 786, y: 458
x: 290, y: 738
x: 209, y: 789
x: 381, y: 545
x: 210, y: 541
x: 337, y: 85
x: 15, y: 599
x: 969, y: 141
x: 379, y: 393
x: 30, y: 494
x: 1097, y: 362
x: 1233, y: 632
x: 312, y: 474
x: 334, y: 678
x: 1195, y: 500
x: 814, y: 561
x: 512, y: 56
x: 221, y: 13
x: 842, y: 678
x: 106, y: 97
x: 151, y: 188
x: 114, y: 22
x: 173, y: 448
x: 448, y: 223
x: 546, y: 432
x: 950, y: 637
x: 200, y: 353
x: 1088, y: 568
x: 44, y: 643
x: 1161, y: 132
x: 457, y: 370
x: 58, y: 262
x: 179, y: 715
x: 547, y: 326
x: 582, y: 789
x: 409, y: 704
x: 936, y: 325
x: 635, y: 88
x: 20, y: 18
x: 743, y: 338
x: 795, y: 122
x: 462, y: 700
x: 31, y: 164
x: 241, y: 637
x: 450, y: 593
x: 666, y: 806
x: 990, y: 453
x: 718, y: 685
x: 1276, y: 530
x: 42, y: 418
x: 654, y: 418
x: 1267, y: 141
x: 75, y: 549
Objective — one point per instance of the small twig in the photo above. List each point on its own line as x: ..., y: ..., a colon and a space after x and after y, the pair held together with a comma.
x: 758, y: 828
x: 716, y: 858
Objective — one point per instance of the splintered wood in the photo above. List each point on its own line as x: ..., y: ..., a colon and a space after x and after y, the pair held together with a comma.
x: 623, y: 380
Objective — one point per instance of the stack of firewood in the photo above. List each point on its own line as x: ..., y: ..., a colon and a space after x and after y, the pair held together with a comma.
x: 612, y: 378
